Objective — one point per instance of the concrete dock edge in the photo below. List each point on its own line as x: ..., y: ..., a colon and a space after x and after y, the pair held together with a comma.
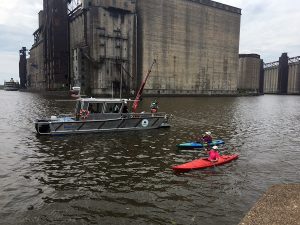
x: 279, y: 205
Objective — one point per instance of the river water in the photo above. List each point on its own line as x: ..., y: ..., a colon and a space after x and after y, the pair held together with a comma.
x: 125, y: 178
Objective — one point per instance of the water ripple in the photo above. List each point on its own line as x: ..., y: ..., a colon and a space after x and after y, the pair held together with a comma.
x: 125, y: 178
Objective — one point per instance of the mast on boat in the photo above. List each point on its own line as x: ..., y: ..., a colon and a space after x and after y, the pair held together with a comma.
x: 139, y: 93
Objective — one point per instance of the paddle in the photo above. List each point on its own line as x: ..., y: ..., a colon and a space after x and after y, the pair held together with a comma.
x: 210, y: 162
x: 196, y: 139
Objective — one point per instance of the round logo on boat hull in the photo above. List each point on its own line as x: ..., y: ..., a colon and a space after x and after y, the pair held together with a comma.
x: 145, y: 122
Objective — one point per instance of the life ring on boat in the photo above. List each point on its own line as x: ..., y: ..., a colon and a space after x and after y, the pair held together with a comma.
x: 84, y: 113
x: 145, y: 122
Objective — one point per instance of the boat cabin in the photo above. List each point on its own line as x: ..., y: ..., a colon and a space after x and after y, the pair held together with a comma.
x: 97, y: 108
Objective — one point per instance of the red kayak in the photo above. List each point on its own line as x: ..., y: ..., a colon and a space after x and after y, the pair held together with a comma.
x: 204, y: 163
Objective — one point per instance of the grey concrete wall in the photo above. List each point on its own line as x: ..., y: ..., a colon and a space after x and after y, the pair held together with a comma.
x: 196, y: 47
x: 271, y: 80
x: 294, y: 78
x: 78, y: 63
x: 77, y: 38
x: 128, y: 5
x: 102, y: 42
x: 195, y: 43
x: 111, y: 46
x: 36, y: 79
x: 249, y: 73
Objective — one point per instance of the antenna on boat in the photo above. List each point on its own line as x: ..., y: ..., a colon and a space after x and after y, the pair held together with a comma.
x: 121, y: 83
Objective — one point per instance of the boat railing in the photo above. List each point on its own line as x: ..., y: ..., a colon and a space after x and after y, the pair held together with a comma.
x: 65, y: 115
x: 142, y: 114
x: 145, y: 115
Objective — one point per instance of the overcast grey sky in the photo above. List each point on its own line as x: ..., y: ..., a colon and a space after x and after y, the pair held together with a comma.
x: 268, y: 28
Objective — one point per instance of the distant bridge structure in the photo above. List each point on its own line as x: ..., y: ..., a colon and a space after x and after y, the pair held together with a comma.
x: 282, y: 76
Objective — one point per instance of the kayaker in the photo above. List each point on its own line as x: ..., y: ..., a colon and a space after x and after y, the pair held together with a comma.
x: 207, y: 138
x: 213, y: 154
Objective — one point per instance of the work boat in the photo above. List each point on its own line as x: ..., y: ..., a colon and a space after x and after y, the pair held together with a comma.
x: 100, y: 115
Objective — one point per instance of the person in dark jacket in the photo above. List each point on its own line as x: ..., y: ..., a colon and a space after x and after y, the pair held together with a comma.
x: 207, y: 137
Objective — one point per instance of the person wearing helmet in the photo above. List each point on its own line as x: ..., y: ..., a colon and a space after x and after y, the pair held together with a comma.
x: 207, y: 138
x: 154, y: 106
x: 213, y: 154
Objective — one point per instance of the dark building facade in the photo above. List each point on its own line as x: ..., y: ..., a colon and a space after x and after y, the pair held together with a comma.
x: 55, y: 38
x: 261, y: 77
x: 23, y: 67
x: 48, y: 62
x: 283, y: 74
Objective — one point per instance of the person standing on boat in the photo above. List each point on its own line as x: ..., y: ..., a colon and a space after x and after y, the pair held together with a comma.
x: 116, y: 109
x: 213, y: 154
x: 125, y: 108
x: 91, y: 108
x: 154, y: 106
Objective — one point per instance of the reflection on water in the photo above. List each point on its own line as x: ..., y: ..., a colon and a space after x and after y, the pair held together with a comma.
x: 125, y: 178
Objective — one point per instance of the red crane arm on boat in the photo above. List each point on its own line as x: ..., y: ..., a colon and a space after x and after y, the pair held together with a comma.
x: 139, y: 93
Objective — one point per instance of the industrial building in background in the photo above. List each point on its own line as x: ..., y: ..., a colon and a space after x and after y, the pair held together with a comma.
x: 107, y: 46
x: 283, y: 76
x: 47, y: 65
x: 196, y: 45
x: 250, y: 73
x: 103, y: 47
x: 55, y: 38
